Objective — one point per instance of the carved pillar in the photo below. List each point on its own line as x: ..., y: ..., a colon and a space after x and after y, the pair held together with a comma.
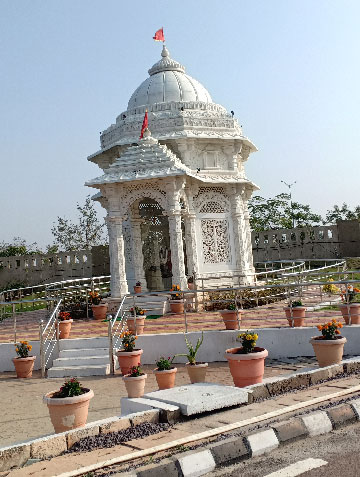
x: 190, y: 236
x: 137, y: 252
x: 118, y: 282
x: 240, y: 226
x: 177, y: 250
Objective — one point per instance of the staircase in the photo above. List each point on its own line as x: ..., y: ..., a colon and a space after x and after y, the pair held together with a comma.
x: 82, y: 357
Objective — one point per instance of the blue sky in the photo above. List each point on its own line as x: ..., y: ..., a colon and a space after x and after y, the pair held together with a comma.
x: 289, y: 69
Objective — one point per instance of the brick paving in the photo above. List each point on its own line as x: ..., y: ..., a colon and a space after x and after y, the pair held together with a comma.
x: 266, y: 316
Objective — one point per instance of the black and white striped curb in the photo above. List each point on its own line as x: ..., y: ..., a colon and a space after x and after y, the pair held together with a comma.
x: 235, y: 449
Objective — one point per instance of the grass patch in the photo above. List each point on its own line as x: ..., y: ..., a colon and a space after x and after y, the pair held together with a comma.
x: 327, y: 307
x: 153, y: 317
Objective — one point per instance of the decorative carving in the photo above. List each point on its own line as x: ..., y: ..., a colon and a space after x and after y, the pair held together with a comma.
x: 215, y: 241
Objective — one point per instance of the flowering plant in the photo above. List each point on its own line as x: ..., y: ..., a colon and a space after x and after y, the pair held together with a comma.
x: 352, y: 293
x: 95, y: 298
x: 175, y: 296
x: 330, y: 288
x: 296, y: 303
x: 70, y: 388
x: 163, y: 364
x: 135, y: 371
x: 330, y: 330
x: 64, y: 315
x: 138, y: 284
x: 137, y: 311
x: 128, y: 340
x: 248, y: 341
x: 22, y: 349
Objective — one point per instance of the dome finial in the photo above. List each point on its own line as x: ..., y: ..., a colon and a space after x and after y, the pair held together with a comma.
x: 165, y: 51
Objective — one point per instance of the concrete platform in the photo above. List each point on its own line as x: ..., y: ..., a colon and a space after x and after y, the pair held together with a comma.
x: 200, y: 397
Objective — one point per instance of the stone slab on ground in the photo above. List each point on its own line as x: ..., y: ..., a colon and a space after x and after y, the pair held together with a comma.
x: 200, y: 397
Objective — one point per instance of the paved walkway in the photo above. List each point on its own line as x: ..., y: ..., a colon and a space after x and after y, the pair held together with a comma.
x: 24, y: 416
x: 266, y: 316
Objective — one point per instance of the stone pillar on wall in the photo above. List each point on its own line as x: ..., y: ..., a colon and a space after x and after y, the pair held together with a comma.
x: 190, y: 237
x: 118, y: 282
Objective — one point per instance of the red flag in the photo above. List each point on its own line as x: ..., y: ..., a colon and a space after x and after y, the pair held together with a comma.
x: 144, y: 124
x: 159, y: 35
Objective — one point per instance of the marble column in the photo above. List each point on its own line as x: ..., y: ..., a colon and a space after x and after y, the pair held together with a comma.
x: 177, y: 250
x: 137, y: 251
x: 191, y: 244
x: 118, y: 282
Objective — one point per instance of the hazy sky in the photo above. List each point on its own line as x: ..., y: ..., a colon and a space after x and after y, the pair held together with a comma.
x: 288, y: 68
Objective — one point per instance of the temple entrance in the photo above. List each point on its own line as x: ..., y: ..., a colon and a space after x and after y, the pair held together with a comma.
x: 156, y: 245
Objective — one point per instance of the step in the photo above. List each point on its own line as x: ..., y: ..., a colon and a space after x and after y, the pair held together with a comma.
x: 80, y: 361
x: 78, y: 353
x: 84, y: 343
x: 79, y: 371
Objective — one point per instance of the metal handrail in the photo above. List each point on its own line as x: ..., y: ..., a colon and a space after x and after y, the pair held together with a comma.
x: 49, y: 337
x: 114, y: 333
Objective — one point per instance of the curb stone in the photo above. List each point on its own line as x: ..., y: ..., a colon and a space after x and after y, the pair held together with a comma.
x: 236, y: 449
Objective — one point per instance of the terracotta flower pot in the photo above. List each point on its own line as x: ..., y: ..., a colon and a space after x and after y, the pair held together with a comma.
x: 140, y: 323
x: 64, y: 329
x: 99, y: 311
x: 351, y: 311
x: 128, y: 359
x: 24, y: 366
x: 328, y: 351
x: 298, y: 313
x: 197, y: 372
x: 230, y: 319
x: 246, y: 369
x: 137, y: 289
x: 68, y: 413
x: 135, y: 386
x: 177, y: 307
x: 165, y: 378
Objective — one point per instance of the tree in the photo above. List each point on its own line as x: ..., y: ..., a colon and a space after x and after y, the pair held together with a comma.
x: 342, y: 213
x: 280, y: 213
x: 18, y: 247
x: 87, y: 233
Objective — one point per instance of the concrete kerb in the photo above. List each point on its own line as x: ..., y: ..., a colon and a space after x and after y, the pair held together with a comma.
x: 235, y: 449
x: 55, y: 444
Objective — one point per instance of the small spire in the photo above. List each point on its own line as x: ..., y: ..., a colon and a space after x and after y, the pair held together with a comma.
x: 165, y: 52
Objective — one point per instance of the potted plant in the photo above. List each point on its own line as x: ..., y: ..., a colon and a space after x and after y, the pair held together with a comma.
x: 247, y: 363
x: 135, y: 382
x: 68, y: 407
x: 295, y: 312
x: 137, y: 287
x: 99, y: 309
x: 196, y: 371
x: 165, y: 373
x: 329, y: 347
x: 176, y: 304
x: 230, y: 316
x: 64, y: 324
x: 136, y: 321
x: 24, y: 364
x: 128, y: 356
x: 351, y: 309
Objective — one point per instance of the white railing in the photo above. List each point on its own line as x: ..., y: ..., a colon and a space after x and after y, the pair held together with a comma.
x: 116, y: 326
x: 49, y: 337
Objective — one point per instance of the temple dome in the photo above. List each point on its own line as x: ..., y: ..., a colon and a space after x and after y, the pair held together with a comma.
x: 168, y: 82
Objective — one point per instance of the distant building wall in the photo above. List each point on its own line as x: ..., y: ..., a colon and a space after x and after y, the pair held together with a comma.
x: 38, y: 269
x: 334, y: 241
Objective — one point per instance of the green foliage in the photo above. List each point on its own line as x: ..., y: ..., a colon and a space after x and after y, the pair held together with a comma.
x: 192, y: 352
x: 341, y: 213
x: 136, y: 371
x: 70, y: 388
x: 18, y: 247
x: 297, y: 303
x: 164, y: 364
x: 280, y: 213
x: 86, y: 233
x: 249, y: 298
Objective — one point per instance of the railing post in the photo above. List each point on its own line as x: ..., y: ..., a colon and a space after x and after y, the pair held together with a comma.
x: 185, y: 316
x: 57, y: 332
x: 237, y: 310
x: 42, y: 357
x: 111, y: 347
x: 14, y: 316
